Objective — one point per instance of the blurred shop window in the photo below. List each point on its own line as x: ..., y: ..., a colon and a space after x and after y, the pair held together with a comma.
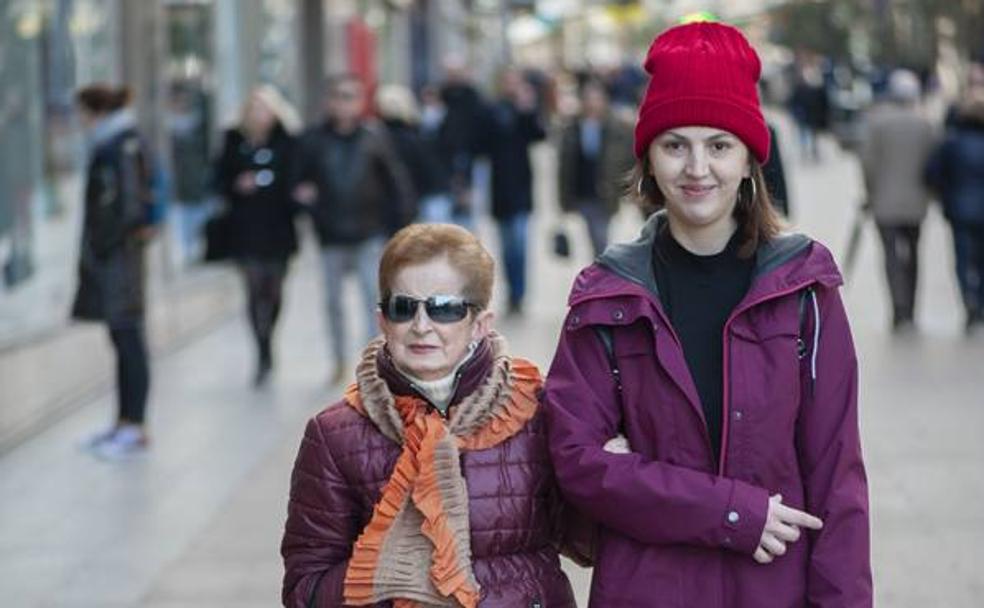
x: 20, y: 128
x: 47, y: 50
x: 279, y: 50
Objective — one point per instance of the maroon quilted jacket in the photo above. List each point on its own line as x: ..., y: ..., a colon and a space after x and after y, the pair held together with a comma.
x: 516, y: 518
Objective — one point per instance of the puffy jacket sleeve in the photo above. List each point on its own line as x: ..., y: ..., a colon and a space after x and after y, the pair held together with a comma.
x: 836, y: 485
x: 650, y: 501
x: 322, y: 524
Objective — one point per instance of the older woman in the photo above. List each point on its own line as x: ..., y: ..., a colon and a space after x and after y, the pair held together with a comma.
x: 429, y: 483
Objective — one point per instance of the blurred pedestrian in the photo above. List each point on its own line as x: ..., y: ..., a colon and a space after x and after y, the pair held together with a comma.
x: 702, y: 403
x: 511, y: 126
x: 810, y: 108
x: 594, y: 156
x: 429, y: 483
x: 956, y: 173
x: 400, y: 113
x: 898, y: 142
x: 189, y: 129
x: 252, y: 173
x: 774, y: 173
x: 115, y: 230
x: 357, y: 192
x: 459, y: 135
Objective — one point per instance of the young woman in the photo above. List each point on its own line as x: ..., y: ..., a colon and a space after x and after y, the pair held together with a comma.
x: 111, y: 261
x: 716, y: 349
x: 430, y: 484
x: 252, y: 174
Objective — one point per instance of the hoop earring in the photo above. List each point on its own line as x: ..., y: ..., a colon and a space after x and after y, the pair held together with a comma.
x: 749, y: 202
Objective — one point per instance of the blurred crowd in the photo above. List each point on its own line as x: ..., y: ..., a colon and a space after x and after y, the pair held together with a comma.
x: 385, y: 156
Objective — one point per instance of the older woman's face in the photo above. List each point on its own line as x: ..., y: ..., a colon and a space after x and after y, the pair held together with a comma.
x: 423, y: 347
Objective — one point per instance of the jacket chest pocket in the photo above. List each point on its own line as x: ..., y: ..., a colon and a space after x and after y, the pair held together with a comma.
x: 764, y: 370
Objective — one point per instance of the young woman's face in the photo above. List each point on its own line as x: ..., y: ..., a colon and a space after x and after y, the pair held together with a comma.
x: 421, y: 346
x: 698, y: 170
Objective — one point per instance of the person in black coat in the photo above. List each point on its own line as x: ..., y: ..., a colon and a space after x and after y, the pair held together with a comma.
x: 775, y: 175
x: 252, y: 173
x: 511, y: 126
x: 955, y: 172
x: 116, y: 228
x: 419, y: 153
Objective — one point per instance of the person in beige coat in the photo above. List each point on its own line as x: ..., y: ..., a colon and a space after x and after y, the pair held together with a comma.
x: 898, y: 143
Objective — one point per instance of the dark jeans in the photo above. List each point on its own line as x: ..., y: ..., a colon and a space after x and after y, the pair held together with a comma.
x: 514, y: 236
x: 264, y: 281
x: 132, y: 372
x: 901, y: 245
x: 596, y: 219
x: 968, y: 245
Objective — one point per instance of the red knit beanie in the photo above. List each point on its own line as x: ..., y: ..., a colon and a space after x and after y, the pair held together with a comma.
x: 703, y: 74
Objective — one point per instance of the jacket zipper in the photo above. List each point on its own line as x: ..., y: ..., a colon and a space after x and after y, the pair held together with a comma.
x: 725, y: 341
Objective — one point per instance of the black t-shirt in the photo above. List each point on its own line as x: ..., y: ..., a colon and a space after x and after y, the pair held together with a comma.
x: 698, y: 293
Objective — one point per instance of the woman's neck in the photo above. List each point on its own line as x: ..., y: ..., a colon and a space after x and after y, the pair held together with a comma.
x: 257, y: 136
x: 703, y: 240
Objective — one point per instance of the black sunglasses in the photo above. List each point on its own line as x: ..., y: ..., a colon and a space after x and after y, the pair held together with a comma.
x: 440, y: 309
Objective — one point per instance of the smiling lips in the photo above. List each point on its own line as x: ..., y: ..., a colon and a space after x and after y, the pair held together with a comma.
x: 421, y: 349
x: 695, y: 190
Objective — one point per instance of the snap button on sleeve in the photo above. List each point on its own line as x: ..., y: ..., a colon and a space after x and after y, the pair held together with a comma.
x: 733, y: 517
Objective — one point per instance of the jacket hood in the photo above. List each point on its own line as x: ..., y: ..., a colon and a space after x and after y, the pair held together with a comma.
x: 782, y: 263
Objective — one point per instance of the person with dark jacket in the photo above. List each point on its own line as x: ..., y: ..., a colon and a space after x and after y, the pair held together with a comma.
x: 594, y: 154
x: 357, y: 192
x: 429, y: 483
x: 955, y: 171
x: 115, y: 231
x: 775, y: 175
x: 511, y: 126
x: 419, y: 154
x: 253, y: 173
x: 459, y: 135
x: 702, y: 402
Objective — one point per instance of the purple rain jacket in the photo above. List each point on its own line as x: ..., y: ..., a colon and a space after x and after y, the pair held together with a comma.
x: 678, y: 529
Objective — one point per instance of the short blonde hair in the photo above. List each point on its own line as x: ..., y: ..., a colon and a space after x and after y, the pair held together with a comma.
x: 420, y: 243
x: 278, y: 105
x: 394, y: 101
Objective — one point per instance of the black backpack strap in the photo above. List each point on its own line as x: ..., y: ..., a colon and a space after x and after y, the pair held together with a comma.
x: 607, y: 337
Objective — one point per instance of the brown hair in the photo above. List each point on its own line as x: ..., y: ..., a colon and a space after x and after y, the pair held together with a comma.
x: 102, y: 98
x: 757, y: 218
x: 420, y: 243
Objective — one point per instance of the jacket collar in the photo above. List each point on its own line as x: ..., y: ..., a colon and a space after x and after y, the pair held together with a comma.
x: 782, y: 263
x: 469, y: 376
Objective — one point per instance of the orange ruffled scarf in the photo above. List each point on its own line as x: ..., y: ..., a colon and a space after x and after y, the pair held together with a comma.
x: 422, y: 514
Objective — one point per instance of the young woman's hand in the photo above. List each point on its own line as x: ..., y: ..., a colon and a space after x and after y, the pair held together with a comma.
x: 618, y: 445
x: 782, y: 526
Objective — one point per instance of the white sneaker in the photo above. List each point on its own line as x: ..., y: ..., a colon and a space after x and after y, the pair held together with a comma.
x: 126, y: 443
x: 94, y: 440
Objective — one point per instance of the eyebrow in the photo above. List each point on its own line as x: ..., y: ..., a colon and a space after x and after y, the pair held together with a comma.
x: 722, y: 135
